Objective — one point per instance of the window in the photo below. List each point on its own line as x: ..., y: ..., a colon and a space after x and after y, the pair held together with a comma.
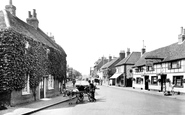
x: 174, y: 65
x: 139, y: 80
x: 149, y: 68
x: 139, y: 69
x: 26, y: 89
x: 178, y: 81
x: 50, y: 82
x: 154, y: 80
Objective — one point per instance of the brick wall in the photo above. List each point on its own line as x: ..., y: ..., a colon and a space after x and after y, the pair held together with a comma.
x: 18, y: 98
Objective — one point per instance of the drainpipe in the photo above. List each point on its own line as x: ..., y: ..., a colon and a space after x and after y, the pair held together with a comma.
x: 125, y: 73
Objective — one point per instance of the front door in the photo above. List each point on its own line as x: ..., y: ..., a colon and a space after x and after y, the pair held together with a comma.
x: 163, y: 82
x: 146, y: 82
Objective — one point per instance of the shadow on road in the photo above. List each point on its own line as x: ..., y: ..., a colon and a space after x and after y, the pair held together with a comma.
x: 73, y: 101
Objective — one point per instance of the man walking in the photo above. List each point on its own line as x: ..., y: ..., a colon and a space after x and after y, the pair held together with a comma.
x: 74, y: 81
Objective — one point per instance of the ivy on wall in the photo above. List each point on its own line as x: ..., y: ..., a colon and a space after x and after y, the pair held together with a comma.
x: 12, y: 61
x: 58, y: 64
x: 17, y: 61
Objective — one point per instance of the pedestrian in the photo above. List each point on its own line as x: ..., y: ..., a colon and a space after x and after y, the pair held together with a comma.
x: 64, y: 90
x: 74, y: 81
x: 92, y: 89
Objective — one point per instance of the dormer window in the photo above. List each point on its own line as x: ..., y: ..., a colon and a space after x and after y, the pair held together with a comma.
x: 174, y: 65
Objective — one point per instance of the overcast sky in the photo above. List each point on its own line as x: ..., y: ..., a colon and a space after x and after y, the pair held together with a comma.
x: 90, y: 29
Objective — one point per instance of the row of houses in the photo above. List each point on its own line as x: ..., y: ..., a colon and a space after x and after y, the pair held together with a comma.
x: 28, y: 34
x: 155, y: 70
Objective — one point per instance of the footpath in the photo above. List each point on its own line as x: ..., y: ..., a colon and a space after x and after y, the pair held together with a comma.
x: 152, y: 92
x: 29, y: 108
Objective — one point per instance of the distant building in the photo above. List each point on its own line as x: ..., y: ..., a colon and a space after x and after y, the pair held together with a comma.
x: 109, y: 68
x: 124, y: 74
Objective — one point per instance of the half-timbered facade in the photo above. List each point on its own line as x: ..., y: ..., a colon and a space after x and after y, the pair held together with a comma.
x: 162, y: 68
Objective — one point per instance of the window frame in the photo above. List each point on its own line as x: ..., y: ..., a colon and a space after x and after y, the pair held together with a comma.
x: 175, y: 81
x: 50, y: 82
x: 171, y: 65
x: 139, y: 80
x: 150, y: 68
x: 26, y: 89
x: 154, y: 82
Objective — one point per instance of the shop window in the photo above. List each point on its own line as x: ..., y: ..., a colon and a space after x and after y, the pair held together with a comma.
x: 139, y: 80
x: 154, y: 80
x: 178, y: 81
x: 50, y: 82
x: 26, y: 89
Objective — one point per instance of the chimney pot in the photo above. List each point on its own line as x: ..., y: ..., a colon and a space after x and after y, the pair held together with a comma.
x: 29, y: 14
x: 34, y: 13
x: 10, y: 2
x: 143, y: 50
x: 128, y: 51
x: 181, y: 30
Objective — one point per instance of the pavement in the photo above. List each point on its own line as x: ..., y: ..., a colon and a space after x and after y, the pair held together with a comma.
x: 29, y: 108
x: 152, y: 92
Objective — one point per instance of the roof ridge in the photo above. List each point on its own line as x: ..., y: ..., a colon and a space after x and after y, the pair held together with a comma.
x: 128, y: 57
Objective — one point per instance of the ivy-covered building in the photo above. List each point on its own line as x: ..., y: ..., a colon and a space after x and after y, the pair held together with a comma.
x: 32, y: 64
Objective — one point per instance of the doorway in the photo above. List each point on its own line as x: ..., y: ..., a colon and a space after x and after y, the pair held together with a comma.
x: 163, y: 83
x: 146, y: 82
x: 42, y: 89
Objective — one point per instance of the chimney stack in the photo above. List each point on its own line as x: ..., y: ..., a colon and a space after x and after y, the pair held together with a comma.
x: 11, y: 8
x: 32, y: 19
x: 128, y: 51
x: 122, y: 54
x: 110, y: 58
x: 181, y: 37
x: 143, y: 50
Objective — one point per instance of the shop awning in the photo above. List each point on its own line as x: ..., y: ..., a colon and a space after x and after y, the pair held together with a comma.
x: 116, y: 75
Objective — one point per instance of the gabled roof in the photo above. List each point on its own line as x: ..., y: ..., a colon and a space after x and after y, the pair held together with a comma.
x: 7, y: 20
x: 108, y: 64
x: 130, y: 59
x: 172, y: 52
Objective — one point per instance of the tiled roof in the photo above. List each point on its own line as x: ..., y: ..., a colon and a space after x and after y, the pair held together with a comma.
x: 172, y: 52
x: 108, y: 64
x: 141, y: 60
x: 130, y: 59
x: 20, y: 26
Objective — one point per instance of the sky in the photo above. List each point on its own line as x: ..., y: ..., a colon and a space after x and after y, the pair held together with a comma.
x: 90, y: 29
